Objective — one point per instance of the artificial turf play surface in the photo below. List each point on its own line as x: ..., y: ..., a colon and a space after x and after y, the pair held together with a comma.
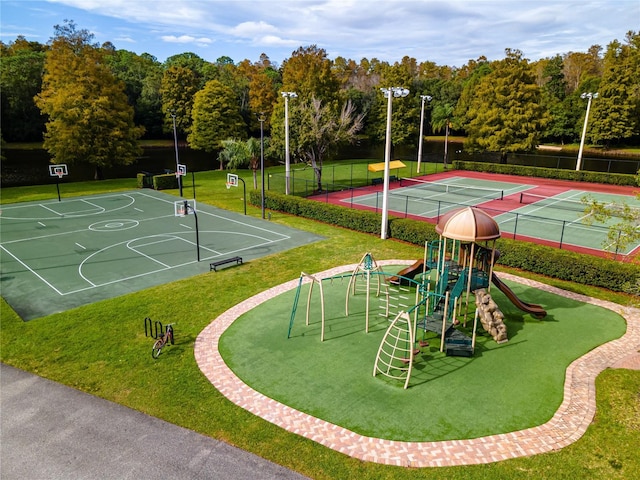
x: 502, y: 388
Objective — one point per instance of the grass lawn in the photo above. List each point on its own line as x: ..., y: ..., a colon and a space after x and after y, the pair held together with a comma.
x: 101, y: 349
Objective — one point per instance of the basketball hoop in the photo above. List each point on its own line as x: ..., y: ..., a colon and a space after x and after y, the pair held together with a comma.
x: 182, y: 207
x: 59, y: 170
x: 229, y: 185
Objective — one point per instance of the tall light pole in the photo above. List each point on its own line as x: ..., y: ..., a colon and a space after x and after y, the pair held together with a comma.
x: 389, y: 93
x: 584, y: 127
x: 261, y: 120
x: 446, y: 143
x: 428, y: 99
x: 175, y: 142
x: 287, y: 161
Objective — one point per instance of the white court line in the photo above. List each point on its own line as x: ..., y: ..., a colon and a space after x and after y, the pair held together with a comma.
x: 77, y: 213
x: 51, y: 210
x: 209, y: 252
x: 98, y: 207
x: 286, y: 237
x: 217, y: 254
x: 40, y: 237
x: 553, y: 202
x: 134, y: 249
x: 33, y: 271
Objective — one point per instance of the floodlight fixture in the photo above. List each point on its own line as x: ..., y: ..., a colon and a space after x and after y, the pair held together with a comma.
x: 590, y: 96
x: 389, y: 94
x: 287, y: 160
x: 420, y: 134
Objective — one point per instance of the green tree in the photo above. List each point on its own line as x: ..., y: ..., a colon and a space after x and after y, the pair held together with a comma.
x: 216, y: 117
x: 622, y: 219
x: 442, y: 119
x: 405, y: 112
x: 141, y: 75
x: 21, y: 65
x: 239, y: 154
x: 505, y: 114
x: 308, y: 72
x: 178, y: 89
x: 578, y: 66
x: 470, y: 77
x: 89, y: 119
x: 616, y: 113
x: 263, y: 90
x: 321, y: 131
x: 563, y: 115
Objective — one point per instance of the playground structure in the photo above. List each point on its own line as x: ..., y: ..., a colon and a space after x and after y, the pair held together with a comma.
x: 416, y: 304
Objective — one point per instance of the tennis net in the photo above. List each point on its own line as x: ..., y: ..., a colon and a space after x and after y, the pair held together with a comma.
x: 553, y: 202
x: 415, y: 185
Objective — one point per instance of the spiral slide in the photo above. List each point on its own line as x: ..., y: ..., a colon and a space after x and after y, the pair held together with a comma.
x: 531, y: 308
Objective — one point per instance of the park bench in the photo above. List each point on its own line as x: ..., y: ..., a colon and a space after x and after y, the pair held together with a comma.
x: 380, y: 181
x: 214, y: 265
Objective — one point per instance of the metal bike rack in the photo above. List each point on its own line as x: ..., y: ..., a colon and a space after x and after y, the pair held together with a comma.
x: 153, y: 329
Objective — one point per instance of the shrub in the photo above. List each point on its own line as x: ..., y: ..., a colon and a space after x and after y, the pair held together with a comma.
x: 144, y: 180
x: 558, y: 174
x: 165, y: 181
x: 545, y: 260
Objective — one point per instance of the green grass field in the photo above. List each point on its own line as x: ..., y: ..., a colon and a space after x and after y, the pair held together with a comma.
x: 101, y: 349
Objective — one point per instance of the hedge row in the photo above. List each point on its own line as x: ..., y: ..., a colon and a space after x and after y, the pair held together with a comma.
x: 541, y: 259
x: 555, y: 173
x: 158, y: 182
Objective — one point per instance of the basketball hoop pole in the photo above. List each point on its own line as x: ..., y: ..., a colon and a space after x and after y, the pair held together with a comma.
x: 244, y: 194
x: 58, y: 186
x: 187, y: 207
x: 232, y: 181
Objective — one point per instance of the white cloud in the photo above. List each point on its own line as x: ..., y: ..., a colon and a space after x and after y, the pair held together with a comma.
x: 186, y: 39
x: 124, y: 40
x: 450, y: 32
x: 251, y: 29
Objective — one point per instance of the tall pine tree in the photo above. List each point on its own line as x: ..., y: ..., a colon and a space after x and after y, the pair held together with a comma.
x: 89, y: 119
x: 505, y: 114
x: 216, y: 117
x: 616, y: 113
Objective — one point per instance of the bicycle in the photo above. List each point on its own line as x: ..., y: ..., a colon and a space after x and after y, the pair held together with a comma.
x: 162, y: 341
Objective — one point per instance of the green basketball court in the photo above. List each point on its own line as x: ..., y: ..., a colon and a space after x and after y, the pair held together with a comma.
x: 57, y: 255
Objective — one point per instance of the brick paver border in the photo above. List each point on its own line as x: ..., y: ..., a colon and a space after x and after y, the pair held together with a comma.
x: 566, y: 426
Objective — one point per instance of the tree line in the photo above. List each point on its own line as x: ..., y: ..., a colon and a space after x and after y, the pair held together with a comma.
x: 93, y: 103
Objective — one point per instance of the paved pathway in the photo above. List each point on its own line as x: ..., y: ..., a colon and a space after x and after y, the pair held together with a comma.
x: 567, y: 425
x: 50, y: 431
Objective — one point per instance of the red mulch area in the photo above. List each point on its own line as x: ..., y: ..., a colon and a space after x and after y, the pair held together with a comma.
x: 541, y: 186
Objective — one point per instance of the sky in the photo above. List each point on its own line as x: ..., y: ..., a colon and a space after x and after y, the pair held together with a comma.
x: 449, y: 32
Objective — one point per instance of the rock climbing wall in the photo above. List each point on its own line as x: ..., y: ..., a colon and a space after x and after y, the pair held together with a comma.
x: 491, y: 317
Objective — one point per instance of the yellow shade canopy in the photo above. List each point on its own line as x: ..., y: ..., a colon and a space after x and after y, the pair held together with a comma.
x: 379, y: 167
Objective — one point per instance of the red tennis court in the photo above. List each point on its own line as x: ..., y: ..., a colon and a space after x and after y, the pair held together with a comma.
x: 544, y: 211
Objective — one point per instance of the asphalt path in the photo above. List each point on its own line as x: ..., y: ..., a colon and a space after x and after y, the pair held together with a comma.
x: 50, y: 431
